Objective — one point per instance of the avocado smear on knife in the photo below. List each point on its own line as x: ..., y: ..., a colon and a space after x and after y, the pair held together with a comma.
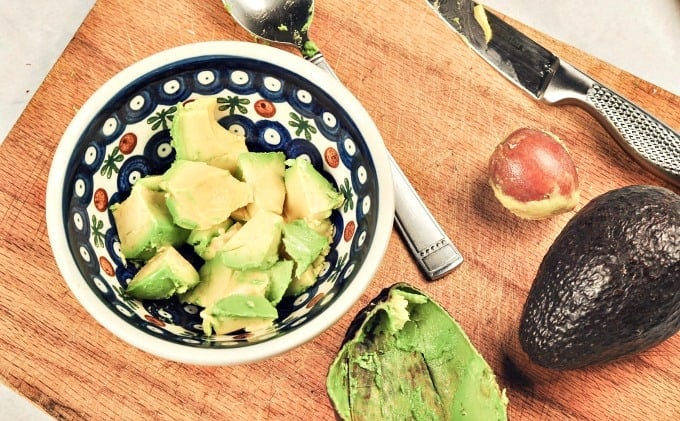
x: 404, y: 357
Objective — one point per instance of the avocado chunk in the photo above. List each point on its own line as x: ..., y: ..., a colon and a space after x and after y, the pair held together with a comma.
x: 405, y: 357
x: 200, y: 239
x: 198, y: 136
x: 280, y: 276
x: 609, y: 285
x: 236, y: 312
x: 306, y: 279
x: 264, y: 172
x: 217, y: 242
x: 218, y: 281
x: 144, y: 223
x: 255, y: 245
x: 309, y: 195
x: 199, y: 195
x: 165, y: 274
x: 151, y: 182
x: 303, y: 244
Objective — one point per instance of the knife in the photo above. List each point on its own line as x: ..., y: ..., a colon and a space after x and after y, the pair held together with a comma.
x: 547, y: 78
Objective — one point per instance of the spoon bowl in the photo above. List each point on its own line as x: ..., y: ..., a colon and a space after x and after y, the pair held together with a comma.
x: 281, y: 21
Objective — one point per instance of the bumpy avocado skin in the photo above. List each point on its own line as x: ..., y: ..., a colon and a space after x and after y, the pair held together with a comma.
x: 609, y: 286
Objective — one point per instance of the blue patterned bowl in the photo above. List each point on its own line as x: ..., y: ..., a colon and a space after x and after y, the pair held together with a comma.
x: 122, y: 134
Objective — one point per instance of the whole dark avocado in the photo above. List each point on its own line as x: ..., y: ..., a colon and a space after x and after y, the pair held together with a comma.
x: 609, y: 286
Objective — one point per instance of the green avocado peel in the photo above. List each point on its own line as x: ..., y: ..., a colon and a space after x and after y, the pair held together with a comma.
x: 404, y: 357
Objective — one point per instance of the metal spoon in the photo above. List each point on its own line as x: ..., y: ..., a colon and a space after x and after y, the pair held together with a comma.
x: 288, y: 22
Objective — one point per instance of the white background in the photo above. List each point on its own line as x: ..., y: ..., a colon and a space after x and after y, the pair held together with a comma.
x: 641, y: 37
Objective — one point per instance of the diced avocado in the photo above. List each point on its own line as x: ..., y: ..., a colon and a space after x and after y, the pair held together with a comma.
x: 308, y: 194
x: 197, y: 136
x: 302, y: 244
x: 151, y: 182
x: 218, y: 281
x: 321, y: 226
x: 236, y: 312
x: 306, y: 279
x: 255, y: 245
x: 241, y: 214
x: 216, y: 243
x: 199, y: 239
x: 280, y: 276
x: 214, y: 284
x: 144, y: 223
x: 264, y: 172
x: 199, y: 195
x: 165, y: 274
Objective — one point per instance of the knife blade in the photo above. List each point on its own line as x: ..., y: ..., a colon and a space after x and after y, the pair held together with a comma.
x: 550, y: 79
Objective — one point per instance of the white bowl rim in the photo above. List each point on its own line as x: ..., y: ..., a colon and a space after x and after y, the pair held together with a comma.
x: 218, y: 356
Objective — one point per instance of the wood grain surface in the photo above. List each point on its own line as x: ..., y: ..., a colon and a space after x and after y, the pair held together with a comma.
x: 441, y: 110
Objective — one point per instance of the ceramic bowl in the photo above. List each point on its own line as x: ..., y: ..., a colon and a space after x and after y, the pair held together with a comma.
x: 122, y: 133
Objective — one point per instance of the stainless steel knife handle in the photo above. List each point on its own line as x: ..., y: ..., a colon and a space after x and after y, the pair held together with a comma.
x: 650, y: 142
x: 430, y: 246
x: 433, y: 250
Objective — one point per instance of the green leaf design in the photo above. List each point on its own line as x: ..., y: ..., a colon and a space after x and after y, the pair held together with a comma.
x: 301, y: 126
x: 110, y: 166
x: 233, y: 103
x: 346, y: 190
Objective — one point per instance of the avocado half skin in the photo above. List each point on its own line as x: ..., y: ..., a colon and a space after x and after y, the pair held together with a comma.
x: 376, y: 376
x: 609, y: 286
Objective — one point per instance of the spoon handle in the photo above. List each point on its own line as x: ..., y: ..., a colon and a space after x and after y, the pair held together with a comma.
x: 321, y: 62
x: 430, y: 246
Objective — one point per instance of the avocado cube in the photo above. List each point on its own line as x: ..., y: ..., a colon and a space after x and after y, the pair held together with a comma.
x: 255, y: 245
x: 264, y: 172
x: 151, y: 182
x: 217, y: 242
x: 218, y: 281
x: 199, y: 195
x: 165, y: 274
x: 306, y: 279
x: 197, y: 135
x: 302, y: 244
x: 308, y: 194
x: 200, y: 239
x: 236, y: 312
x: 144, y: 223
x: 280, y: 276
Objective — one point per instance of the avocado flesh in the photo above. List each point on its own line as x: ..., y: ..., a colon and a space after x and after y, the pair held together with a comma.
x: 609, y: 285
x: 200, y: 239
x: 236, y: 312
x: 302, y: 282
x: 255, y: 245
x: 280, y: 276
x: 404, y: 357
x: 309, y: 195
x: 200, y: 196
x: 263, y: 171
x: 144, y: 223
x: 216, y: 243
x: 197, y: 135
x: 302, y: 244
x: 151, y: 182
x: 165, y: 274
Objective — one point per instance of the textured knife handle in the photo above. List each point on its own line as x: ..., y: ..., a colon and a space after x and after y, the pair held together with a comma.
x: 655, y: 145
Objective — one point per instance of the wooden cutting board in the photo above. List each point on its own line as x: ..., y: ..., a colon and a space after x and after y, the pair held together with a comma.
x: 441, y: 111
